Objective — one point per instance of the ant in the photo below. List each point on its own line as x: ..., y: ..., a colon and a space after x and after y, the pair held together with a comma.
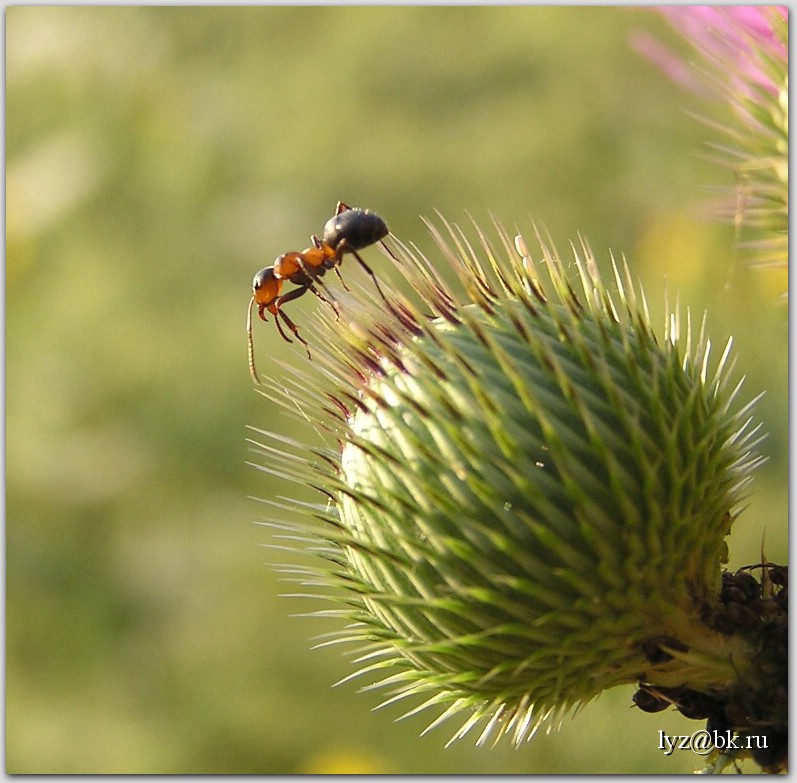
x: 350, y: 229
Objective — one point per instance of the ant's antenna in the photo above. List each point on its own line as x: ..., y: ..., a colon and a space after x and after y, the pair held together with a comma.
x: 252, y: 370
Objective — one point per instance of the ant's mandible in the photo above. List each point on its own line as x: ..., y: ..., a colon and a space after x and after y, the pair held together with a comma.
x: 350, y: 229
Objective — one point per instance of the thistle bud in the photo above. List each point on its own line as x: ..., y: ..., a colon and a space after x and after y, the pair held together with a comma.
x: 528, y: 492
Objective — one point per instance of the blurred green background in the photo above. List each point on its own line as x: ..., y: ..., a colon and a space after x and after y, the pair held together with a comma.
x: 157, y: 158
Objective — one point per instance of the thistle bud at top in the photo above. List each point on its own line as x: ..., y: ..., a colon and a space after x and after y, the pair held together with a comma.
x: 527, y: 491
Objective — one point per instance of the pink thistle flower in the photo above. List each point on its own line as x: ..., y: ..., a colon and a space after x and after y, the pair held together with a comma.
x: 734, y: 38
x: 742, y: 58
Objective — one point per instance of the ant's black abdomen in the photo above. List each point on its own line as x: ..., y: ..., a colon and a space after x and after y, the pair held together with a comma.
x: 359, y: 227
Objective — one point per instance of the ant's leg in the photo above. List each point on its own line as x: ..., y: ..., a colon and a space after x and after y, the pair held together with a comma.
x: 342, y: 281
x: 274, y: 310
x: 289, y: 297
x: 341, y: 207
x: 314, y: 273
x: 334, y: 263
x: 279, y: 326
x: 295, y: 329
x: 343, y: 247
x: 261, y: 313
x: 334, y: 307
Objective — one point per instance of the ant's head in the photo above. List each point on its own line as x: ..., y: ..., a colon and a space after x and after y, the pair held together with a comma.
x: 265, y: 289
x: 265, y: 286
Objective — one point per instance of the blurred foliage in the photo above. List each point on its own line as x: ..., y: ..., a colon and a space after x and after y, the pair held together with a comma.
x: 156, y: 158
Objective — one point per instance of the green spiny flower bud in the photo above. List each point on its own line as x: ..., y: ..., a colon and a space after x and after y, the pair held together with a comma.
x: 529, y: 491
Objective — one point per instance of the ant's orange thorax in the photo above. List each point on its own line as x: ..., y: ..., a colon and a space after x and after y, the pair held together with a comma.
x: 289, y: 264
